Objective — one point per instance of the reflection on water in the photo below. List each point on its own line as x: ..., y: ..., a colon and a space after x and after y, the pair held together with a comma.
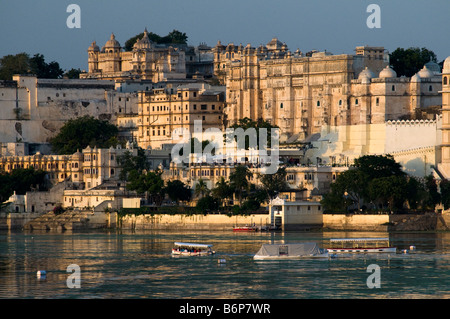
x: 139, y: 265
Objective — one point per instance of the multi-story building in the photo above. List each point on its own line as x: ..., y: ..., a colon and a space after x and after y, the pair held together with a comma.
x: 147, y: 60
x: 33, y: 110
x: 300, y: 93
x: 87, y: 168
x: 165, y: 114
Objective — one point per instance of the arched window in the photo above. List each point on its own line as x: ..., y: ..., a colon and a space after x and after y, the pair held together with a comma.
x: 318, y: 103
x: 445, y: 80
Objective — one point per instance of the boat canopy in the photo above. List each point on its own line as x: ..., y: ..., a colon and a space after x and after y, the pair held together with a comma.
x: 357, y: 239
x: 180, y: 244
x: 300, y: 249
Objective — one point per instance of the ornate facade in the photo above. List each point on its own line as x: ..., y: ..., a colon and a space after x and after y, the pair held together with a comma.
x: 164, y: 114
x: 302, y: 92
x: 147, y: 61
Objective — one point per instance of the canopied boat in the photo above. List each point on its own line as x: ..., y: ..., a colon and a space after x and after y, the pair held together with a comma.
x: 361, y: 245
x: 192, y: 249
x: 290, y: 251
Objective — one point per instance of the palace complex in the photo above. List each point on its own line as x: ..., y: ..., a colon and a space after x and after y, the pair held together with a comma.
x: 330, y: 110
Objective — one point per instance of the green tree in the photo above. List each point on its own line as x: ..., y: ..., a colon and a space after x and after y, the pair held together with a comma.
x: 201, y: 188
x: 274, y: 183
x: 434, y: 197
x: 77, y: 134
x: 150, y: 184
x: 175, y: 37
x: 239, y: 181
x: 389, y: 191
x: 21, y: 180
x: 73, y: 73
x: 374, y: 179
x: 14, y: 64
x: 445, y: 193
x: 178, y: 191
x: 129, y: 163
x: 222, y: 190
x: 246, y: 123
x: 207, y: 204
x: 346, y: 191
x: 43, y: 69
x: 409, y: 61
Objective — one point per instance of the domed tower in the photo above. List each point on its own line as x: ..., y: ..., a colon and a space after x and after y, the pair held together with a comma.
x: 112, y: 51
x: 93, y: 52
x: 142, y: 56
x: 445, y: 146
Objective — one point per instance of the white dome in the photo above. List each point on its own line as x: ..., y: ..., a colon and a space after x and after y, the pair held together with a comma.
x: 425, y: 73
x: 415, y: 78
x: 366, y: 74
x: 433, y: 67
x: 446, y: 68
x: 388, y: 72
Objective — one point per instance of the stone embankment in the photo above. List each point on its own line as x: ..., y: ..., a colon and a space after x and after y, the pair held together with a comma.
x: 69, y: 220
x: 72, y: 220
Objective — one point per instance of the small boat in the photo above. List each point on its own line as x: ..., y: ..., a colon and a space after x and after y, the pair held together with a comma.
x: 290, y: 251
x: 360, y: 245
x: 245, y: 228
x: 191, y: 249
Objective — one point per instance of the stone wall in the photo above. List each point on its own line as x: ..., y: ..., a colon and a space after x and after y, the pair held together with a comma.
x: 200, y: 222
x: 356, y: 222
x: 403, y: 222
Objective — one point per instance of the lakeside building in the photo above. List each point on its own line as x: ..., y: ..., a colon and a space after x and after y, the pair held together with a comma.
x: 88, y: 168
x: 33, y: 110
x: 295, y: 214
x: 300, y: 93
x: 166, y: 114
x: 310, y: 181
x: 148, y: 61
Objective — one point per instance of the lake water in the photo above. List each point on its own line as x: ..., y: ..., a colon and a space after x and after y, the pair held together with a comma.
x: 139, y: 265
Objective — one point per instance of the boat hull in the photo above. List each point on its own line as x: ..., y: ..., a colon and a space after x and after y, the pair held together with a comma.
x: 363, y: 250
x: 256, y: 257
x: 245, y: 229
x: 184, y: 253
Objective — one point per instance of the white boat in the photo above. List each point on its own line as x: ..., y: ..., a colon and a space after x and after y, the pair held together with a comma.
x: 361, y: 245
x: 191, y: 249
x: 290, y: 251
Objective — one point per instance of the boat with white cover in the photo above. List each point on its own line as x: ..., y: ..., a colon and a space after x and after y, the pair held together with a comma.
x: 290, y: 251
x: 192, y: 249
x: 361, y: 245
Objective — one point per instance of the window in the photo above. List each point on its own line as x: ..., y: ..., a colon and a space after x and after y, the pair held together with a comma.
x: 204, y: 107
x: 445, y: 80
x: 318, y: 103
x: 281, y: 105
x: 377, y: 101
x: 430, y: 88
x: 283, y: 250
x: 356, y: 101
x: 203, y: 118
x: 195, y: 106
x: 340, y: 102
x: 393, y: 88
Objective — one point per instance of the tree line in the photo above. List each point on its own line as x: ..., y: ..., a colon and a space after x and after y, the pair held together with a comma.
x: 378, y: 183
